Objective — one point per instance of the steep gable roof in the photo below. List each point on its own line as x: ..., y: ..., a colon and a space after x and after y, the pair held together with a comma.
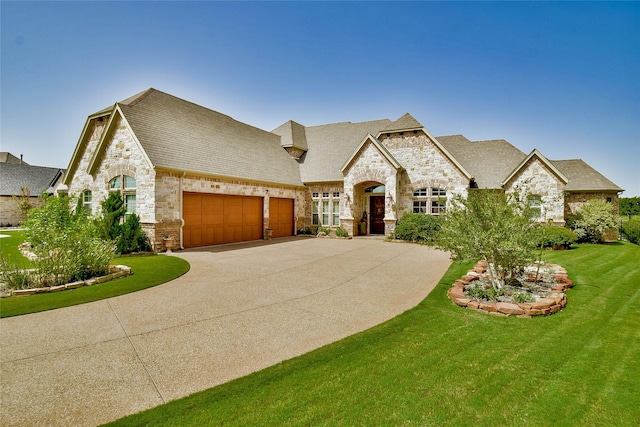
x: 180, y: 135
x: 583, y: 177
x: 488, y: 162
x: 381, y: 149
x: 36, y: 178
x: 536, y: 154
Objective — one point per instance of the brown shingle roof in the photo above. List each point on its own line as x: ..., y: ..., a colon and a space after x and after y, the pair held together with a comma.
x: 181, y: 135
x: 406, y: 122
x: 489, y: 162
x: 583, y: 177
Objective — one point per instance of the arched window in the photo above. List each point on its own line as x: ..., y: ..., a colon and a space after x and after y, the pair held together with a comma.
x: 127, y: 187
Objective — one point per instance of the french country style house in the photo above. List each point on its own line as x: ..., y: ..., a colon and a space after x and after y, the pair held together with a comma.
x: 205, y: 179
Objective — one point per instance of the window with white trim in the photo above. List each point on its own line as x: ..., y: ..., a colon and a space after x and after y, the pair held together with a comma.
x: 535, y: 204
x: 86, y: 200
x: 325, y: 209
x: 429, y: 201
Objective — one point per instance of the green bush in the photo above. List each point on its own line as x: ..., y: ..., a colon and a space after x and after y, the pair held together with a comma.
x: 66, y: 243
x: 557, y: 237
x: 132, y: 237
x: 341, y: 232
x: 631, y: 230
x: 593, y: 219
x: 128, y: 235
x: 325, y: 230
x: 417, y: 227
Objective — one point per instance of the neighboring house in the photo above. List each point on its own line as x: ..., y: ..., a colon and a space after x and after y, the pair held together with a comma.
x: 206, y: 178
x: 16, y: 175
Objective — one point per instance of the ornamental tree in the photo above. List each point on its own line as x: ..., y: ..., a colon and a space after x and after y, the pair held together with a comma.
x: 492, y: 226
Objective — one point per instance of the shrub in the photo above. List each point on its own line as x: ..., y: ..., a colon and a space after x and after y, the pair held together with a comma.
x: 592, y: 221
x: 66, y: 243
x: 341, y: 232
x: 325, y: 230
x: 132, y: 237
x: 556, y: 237
x: 417, y: 227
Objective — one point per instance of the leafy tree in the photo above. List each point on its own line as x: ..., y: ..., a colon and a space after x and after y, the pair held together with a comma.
x: 630, y: 206
x: 127, y: 234
x: 417, y: 227
x: 593, y: 219
x: 493, y: 226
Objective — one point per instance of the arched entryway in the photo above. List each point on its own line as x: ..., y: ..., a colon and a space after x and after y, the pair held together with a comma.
x: 374, y: 201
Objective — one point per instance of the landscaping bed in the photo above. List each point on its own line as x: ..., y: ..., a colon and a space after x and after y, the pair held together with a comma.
x: 538, y: 290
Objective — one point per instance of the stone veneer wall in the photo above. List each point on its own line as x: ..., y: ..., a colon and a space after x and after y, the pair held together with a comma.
x: 425, y: 167
x: 368, y: 166
x: 122, y: 156
x: 537, y: 179
x: 170, y: 185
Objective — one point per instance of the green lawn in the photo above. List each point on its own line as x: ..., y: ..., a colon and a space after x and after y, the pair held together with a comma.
x: 438, y: 364
x: 148, y: 271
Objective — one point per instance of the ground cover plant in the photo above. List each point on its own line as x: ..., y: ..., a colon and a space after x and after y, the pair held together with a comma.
x: 148, y: 271
x: 439, y: 365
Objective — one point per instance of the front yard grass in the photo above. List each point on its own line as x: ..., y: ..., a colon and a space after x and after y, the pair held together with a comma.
x: 439, y: 364
x: 148, y: 271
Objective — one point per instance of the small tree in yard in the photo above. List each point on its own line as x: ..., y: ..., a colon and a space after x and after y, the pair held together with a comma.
x: 128, y: 234
x: 592, y: 220
x: 492, y: 226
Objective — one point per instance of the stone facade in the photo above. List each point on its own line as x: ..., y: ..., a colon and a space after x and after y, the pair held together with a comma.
x: 574, y: 200
x: 536, y: 179
x: 10, y: 214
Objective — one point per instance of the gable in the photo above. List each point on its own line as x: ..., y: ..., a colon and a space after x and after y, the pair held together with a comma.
x: 372, y: 150
x: 536, y: 160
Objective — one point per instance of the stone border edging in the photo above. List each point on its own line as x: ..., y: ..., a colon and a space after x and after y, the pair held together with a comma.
x: 118, y: 271
x: 552, y: 303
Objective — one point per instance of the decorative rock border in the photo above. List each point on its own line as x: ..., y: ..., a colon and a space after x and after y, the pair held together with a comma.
x: 552, y: 303
x: 117, y: 271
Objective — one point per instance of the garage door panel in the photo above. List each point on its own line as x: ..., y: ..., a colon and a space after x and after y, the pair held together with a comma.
x: 212, y: 219
x: 281, y: 216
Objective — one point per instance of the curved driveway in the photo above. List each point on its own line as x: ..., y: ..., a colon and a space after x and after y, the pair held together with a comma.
x: 239, y: 309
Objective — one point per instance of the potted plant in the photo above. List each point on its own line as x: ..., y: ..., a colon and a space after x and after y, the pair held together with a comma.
x: 268, y: 232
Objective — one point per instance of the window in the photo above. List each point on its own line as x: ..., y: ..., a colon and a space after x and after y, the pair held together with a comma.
x: 325, y: 212
x: 535, y: 203
x: 420, y: 206
x: 325, y: 208
x: 314, y: 219
x: 127, y: 186
x: 430, y: 201
x: 335, y: 214
x: 86, y: 200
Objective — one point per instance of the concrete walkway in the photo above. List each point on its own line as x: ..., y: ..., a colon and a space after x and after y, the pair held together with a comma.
x: 238, y: 310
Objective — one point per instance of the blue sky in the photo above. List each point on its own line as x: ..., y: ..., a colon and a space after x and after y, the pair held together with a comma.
x: 560, y: 77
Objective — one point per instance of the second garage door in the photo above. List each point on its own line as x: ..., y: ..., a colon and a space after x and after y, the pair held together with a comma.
x: 281, y: 216
x: 212, y: 219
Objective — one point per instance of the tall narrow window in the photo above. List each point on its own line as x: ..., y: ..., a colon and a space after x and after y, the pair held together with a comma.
x: 86, y: 200
x: 325, y: 212
x: 315, y: 217
x: 336, y: 213
x: 535, y: 203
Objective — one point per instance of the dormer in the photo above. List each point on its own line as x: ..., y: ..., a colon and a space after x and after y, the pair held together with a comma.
x: 293, y: 138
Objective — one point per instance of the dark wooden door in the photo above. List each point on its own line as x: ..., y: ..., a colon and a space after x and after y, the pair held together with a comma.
x: 376, y: 219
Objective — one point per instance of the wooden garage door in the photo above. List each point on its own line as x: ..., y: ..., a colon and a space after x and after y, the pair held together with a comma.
x: 281, y: 216
x: 212, y: 219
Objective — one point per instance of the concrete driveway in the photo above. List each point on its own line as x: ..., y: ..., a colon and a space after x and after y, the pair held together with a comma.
x: 239, y: 309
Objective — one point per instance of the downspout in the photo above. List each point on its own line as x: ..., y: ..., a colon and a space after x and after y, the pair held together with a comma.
x: 181, y: 210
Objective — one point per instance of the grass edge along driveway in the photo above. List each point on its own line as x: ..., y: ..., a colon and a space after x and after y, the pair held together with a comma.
x: 148, y: 271
x: 438, y: 364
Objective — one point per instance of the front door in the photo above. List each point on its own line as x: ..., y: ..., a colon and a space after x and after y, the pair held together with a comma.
x: 376, y: 207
